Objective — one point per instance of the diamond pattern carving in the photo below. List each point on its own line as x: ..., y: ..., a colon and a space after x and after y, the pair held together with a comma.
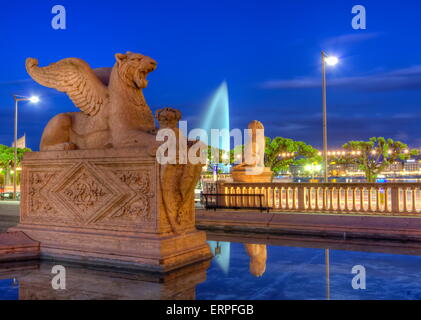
x: 85, y: 193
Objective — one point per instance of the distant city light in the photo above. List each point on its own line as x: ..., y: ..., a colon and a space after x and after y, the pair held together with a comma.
x: 313, y: 167
x: 354, y: 153
x: 287, y: 154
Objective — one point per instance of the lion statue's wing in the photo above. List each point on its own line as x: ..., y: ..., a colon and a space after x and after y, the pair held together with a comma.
x: 74, y: 77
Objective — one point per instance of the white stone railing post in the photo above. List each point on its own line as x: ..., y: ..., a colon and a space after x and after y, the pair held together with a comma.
x: 395, y: 199
x: 301, y: 195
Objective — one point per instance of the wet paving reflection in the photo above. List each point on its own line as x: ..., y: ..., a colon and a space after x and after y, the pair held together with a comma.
x: 243, y: 267
x: 33, y: 281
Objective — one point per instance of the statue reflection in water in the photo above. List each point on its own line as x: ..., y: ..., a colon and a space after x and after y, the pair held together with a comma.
x: 258, y: 257
x: 221, y: 251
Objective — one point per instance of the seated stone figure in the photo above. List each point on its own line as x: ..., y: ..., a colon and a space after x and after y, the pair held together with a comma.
x: 253, y: 169
x: 178, y: 181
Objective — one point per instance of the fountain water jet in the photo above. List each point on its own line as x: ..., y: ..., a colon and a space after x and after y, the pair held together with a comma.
x: 217, y: 116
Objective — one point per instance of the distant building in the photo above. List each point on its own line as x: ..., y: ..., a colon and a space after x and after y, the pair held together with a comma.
x: 411, y: 165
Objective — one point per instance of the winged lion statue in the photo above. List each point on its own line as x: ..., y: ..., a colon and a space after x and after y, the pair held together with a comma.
x: 113, y: 110
x: 114, y: 113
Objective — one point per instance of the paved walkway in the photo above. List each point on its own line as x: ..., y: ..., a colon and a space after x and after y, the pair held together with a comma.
x: 342, y: 226
x: 325, y: 225
x: 9, y: 214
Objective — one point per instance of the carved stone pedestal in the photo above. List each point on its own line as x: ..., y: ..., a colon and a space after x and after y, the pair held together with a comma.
x: 106, y: 207
x: 251, y: 175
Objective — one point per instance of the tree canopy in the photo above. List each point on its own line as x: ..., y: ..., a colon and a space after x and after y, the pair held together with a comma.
x: 374, y: 155
x: 7, y: 156
x: 281, y: 153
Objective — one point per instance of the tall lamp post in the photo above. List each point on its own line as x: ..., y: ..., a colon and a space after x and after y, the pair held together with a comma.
x: 330, y: 61
x: 17, y: 99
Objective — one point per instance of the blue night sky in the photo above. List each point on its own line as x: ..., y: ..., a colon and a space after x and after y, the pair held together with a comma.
x: 268, y: 52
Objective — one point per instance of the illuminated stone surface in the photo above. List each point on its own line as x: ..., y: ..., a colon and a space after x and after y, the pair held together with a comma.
x: 107, y: 206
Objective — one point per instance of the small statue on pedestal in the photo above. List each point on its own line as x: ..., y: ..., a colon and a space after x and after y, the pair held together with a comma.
x: 253, y: 169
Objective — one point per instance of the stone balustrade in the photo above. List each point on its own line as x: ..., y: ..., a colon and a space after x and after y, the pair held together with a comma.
x: 367, y: 198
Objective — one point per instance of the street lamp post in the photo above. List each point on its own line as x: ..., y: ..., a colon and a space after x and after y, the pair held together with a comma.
x: 18, y: 98
x: 331, y: 61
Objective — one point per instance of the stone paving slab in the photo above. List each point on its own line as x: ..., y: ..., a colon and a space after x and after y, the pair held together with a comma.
x: 16, y: 246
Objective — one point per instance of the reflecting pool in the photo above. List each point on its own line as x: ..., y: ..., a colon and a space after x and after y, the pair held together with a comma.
x: 242, y: 268
x: 281, y: 272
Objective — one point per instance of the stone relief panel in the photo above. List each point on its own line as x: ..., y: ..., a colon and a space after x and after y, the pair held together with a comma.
x: 36, y: 204
x: 39, y: 203
x: 85, y: 193
x: 140, y: 207
x: 117, y: 196
x: 137, y: 210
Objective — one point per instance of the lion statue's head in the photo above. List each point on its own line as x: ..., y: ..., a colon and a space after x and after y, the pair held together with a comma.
x: 133, y: 68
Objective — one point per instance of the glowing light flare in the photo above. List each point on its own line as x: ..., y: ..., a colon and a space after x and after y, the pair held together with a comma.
x: 313, y: 167
x: 331, y: 61
x: 34, y: 99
